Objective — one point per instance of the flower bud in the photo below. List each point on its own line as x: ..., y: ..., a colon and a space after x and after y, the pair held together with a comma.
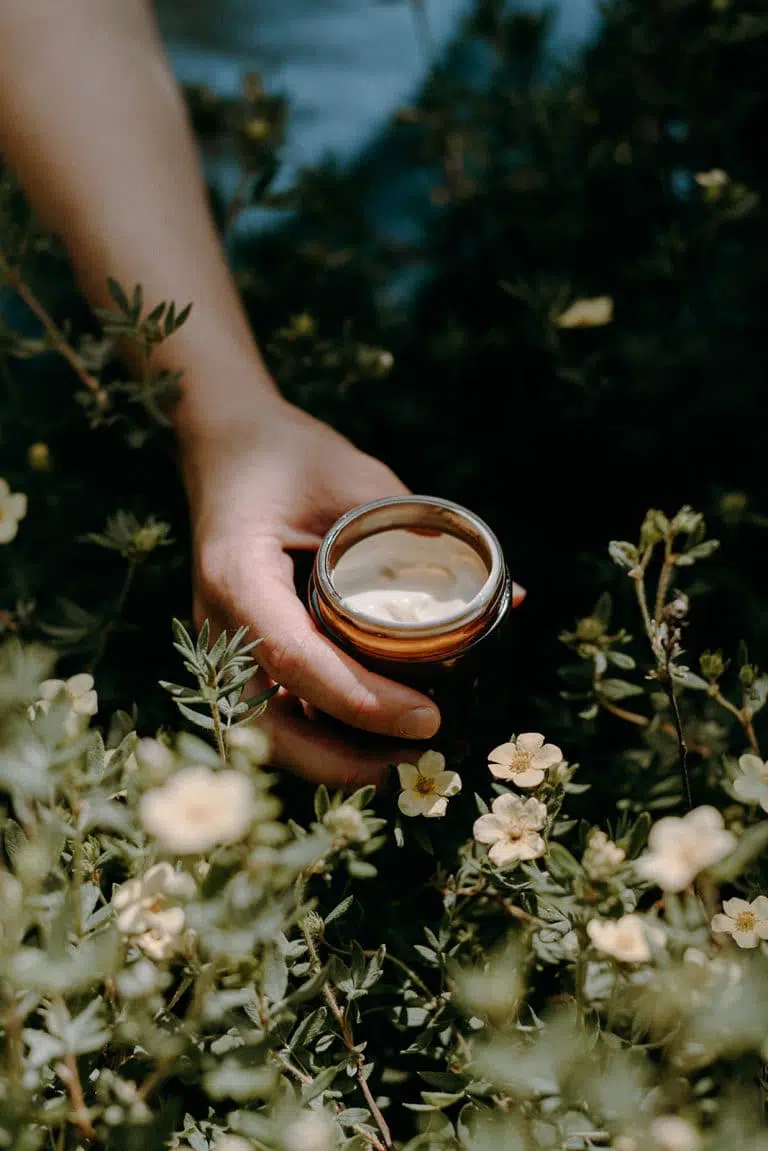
x: 654, y: 529
x: 712, y: 665
x: 39, y: 457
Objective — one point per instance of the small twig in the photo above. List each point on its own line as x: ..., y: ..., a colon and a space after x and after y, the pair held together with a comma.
x: 681, y: 741
x: 622, y: 713
x: 306, y: 1079
x: 218, y: 731
x: 404, y: 967
x: 153, y: 1080
x: 81, y: 1118
x: 743, y: 717
x: 348, y: 1038
x: 58, y: 342
x: 664, y: 578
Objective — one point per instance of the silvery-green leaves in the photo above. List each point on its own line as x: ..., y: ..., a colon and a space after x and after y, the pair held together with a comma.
x: 222, y: 674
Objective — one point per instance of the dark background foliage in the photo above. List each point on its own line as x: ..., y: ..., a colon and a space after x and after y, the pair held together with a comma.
x: 528, y: 193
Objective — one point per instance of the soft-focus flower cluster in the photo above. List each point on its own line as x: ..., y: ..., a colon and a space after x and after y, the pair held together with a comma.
x: 148, y: 911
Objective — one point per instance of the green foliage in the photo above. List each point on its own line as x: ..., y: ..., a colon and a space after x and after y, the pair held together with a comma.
x: 196, y: 954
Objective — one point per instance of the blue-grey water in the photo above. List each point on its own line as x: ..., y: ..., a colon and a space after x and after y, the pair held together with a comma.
x: 345, y: 65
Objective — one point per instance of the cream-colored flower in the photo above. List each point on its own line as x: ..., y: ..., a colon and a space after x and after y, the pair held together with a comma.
x: 625, y: 939
x: 146, y: 912
x: 155, y: 757
x: 251, y: 740
x: 198, y: 809
x: 347, y: 823
x: 746, y: 922
x: 673, y: 1133
x: 680, y: 847
x: 79, y: 692
x: 593, y: 313
x: 427, y: 786
x: 512, y: 829
x: 751, y: 784
x: 524, y: 761
x: 312, y: 1131
x: 715, y: 179
x: 602, y: 857
x: 13, y: 508
x: 232, y: 1143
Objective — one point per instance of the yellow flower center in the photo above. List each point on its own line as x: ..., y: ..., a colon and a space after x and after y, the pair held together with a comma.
x: 425, y: 785
x: 745, y: 921
x: 520, y: 762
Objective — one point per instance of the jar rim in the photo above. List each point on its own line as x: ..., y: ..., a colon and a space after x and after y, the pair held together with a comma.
x: 443, y: 516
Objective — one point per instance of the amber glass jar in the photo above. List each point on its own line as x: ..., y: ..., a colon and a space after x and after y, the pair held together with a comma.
x: 413, y: 650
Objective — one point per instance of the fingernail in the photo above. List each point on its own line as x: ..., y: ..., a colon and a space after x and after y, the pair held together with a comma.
x: 420, y: 723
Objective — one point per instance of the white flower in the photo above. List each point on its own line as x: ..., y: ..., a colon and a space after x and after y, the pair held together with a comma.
x: 679, y: 848
x: 252, y: 740
x: 602, y: 857
x: 155, y: 757
x: 312, y: 1131
x: 625, y: 939
x: 673, y: 1133
x: 145, y: 909
x: 347, y: 823
x: 512, y: 828
x: 751, y: 784
x: 232, y: 1143
x: 715, y: 178
x: 525, y: 760
x: 13, y: 508
x: 746, y: 922
x: 592, y: 313
x: 198, y: 809
x: 80, y: 694
x: 427, y: 787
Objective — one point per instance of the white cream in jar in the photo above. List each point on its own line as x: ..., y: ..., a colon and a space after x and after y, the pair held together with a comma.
x: 402, y: 576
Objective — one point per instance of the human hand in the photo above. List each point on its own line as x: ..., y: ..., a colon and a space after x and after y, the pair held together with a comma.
x: 271, y: 482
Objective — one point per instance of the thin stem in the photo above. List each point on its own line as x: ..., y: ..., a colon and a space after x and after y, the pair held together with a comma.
x: 346, y: 1034
x: 622, y: 713
x: 404, y: 967
x: 218, y: 731
x: 744, y: 718
x: 117, y: 611
x: 56, y: 338
x: 681, y: 741
x: 663, y: 585
x: 643, y: 604
x: 153, y: 1080
x: 306, y: 1079
x: 80, y: 1115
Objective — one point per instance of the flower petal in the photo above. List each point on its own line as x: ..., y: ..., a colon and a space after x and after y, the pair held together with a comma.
x: 503, y: 852
x: 721, y: 924
x: 745, y: 938
x: 734, y: 907
x: 503, y: 753
x: 530, y: 778
x: 409, y: 775
x: 431, y: 763
x: 488, y: 828
x: 548, y: 756
x: 437, y: 808
x: 760, y: 907
x: 500, y: 770
x: 508, y: 806
x: 80, y: 684
x: 447, y: 783
x: 530, y: 741
x: 752, y: 764
x: 411, y: 803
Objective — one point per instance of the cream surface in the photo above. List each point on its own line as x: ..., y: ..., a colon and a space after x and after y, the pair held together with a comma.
x: 400, y: 576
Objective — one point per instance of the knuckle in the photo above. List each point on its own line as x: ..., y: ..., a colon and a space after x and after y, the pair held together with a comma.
x: 362, y: 706
x: 283, y: 660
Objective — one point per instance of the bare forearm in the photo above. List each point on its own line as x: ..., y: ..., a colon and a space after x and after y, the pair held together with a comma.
x: 92, y: 121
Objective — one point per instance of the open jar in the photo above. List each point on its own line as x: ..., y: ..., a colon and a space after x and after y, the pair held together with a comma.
x: 410, y: 586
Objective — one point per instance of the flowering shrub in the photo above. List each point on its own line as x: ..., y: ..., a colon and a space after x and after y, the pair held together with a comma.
x: 554, y: 937
x: 183, y: 966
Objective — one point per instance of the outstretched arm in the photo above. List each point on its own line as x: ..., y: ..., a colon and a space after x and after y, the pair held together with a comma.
x: 94, y: 125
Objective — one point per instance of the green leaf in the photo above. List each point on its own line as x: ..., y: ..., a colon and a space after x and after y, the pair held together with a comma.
x: 339, y: 909
x: 196, y: 717
x: 618, y: 689
x: 118, y: 295
x: 752, y: 843
x: 274, y: 976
